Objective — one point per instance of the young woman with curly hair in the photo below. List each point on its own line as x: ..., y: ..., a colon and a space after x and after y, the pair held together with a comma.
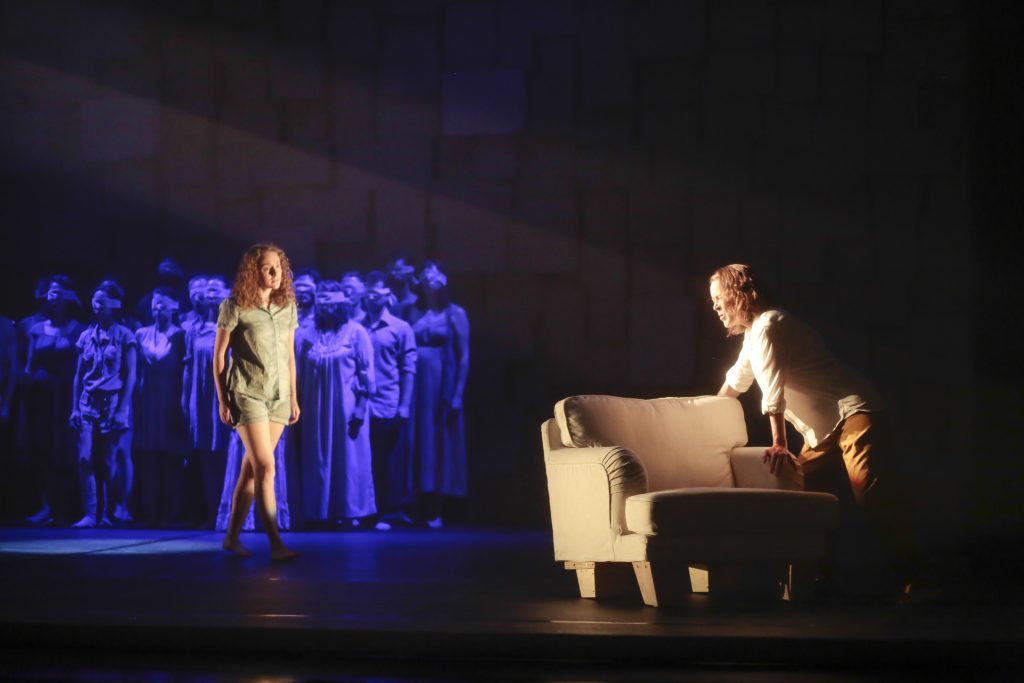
x: 256, y: 391
x: 836, y: 411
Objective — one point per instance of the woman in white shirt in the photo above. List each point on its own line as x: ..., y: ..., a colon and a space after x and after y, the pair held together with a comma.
x: 835, y: 410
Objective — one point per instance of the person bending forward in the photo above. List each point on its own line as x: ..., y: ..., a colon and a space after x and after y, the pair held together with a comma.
x: 836, y: 411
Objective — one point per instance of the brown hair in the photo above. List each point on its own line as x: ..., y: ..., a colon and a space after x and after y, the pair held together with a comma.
x: 742, y: 294
x: 246, y: 288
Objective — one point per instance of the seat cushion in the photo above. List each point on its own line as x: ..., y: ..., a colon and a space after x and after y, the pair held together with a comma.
x: 730, y: 511
x: 680, y: 441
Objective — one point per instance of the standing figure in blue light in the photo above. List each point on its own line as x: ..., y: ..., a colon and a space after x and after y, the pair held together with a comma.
x: 402, y: 283
x: 197, y: 301
x: 208, y: 436
x: 160, y: 440
x: 26, y: 470
x: 43, y: 308
x: 8, y: 367
x: 170, y: 278
x: 9, y: 372
x: 354, y: 287
x: 394, y: 364
x: 442, y: 367
x: 256, y: 392
x: 125, y: 438
x: 103, y: 388
x: 336, y: 358
x: 306, y: 281
x: 44, y: 435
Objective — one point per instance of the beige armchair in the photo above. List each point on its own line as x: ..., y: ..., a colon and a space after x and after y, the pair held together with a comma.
x: 664, y: 490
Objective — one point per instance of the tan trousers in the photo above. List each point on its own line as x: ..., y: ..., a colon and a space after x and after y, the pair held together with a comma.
x: 860, y: 442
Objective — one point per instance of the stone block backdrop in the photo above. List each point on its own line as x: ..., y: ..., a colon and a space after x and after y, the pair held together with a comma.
x: 580, y: 167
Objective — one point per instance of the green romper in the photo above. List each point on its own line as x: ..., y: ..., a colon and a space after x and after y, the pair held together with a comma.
x: 259, y: 381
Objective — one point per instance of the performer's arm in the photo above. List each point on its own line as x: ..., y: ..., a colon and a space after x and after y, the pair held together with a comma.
x: 76, y: 395
x: 31, y: 354
x: 296, y: 412
x: 773, y: 361
x: 407, y: 372
x: 461, y: 355
x: 220, y: 360
x: 726, y: 390
x: 739, y: 377
x: 127, y: 386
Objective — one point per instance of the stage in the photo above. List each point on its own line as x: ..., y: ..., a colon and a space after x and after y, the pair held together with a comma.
x: 452, y: 604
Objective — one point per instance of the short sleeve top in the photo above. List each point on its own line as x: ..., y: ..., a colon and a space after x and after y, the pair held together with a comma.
x: 260, y: 348
x: 394, y: 355
x: 102, y: 356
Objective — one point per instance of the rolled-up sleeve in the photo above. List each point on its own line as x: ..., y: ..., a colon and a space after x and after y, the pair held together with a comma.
x: 365, y: 377
x: 772, y: 364
x: 83, y: 340
x: 740, y: 376
x: 407, y: 362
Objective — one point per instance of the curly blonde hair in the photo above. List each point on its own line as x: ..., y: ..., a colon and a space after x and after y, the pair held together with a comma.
x: 742, y: 294
x: 246, y: 288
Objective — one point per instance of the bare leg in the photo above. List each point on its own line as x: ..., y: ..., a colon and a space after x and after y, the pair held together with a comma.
x: 108, y: 452
x: 241, y: 501
x: 126, y: 474
x: 87, y: 479
x: 260, y: 440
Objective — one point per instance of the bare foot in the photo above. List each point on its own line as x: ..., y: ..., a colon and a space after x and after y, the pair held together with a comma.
x: 236, y: 548
x: 282, y: 554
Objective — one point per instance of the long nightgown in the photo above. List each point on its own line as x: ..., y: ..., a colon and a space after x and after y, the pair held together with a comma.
x: 44, y: 433
x: 159, y: 427
x: 438, y: 463
x: 206, y: 431
x: 337, y: 468
x: 208, y: 436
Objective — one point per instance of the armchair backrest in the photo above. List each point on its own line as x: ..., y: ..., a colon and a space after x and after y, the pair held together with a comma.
x: 682, y: 442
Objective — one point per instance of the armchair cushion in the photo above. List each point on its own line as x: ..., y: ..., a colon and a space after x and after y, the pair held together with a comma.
x: 682, y: 442
x: 750, y: 471
x: 710, y: 511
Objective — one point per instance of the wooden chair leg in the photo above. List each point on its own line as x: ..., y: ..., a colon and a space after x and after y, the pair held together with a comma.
x: 662, y: 583
x: 603, y: 579
x: 698, y: 578
x: 585, y: 577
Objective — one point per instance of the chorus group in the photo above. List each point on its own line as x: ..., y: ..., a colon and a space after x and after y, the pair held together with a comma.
x: 112, y: 405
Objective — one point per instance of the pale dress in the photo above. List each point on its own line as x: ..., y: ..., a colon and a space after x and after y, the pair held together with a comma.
x: 337, y: 469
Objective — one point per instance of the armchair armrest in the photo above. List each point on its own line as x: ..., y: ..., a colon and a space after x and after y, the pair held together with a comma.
x: 587, y: 491
x: 749, y: 471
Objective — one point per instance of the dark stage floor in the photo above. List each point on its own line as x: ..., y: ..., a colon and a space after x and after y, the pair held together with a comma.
x: 455, y: 604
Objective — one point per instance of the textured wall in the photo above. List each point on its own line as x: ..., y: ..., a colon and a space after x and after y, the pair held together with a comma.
x: 579, y: 166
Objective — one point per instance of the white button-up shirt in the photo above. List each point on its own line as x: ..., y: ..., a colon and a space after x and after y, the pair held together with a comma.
x: 799, y: 377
